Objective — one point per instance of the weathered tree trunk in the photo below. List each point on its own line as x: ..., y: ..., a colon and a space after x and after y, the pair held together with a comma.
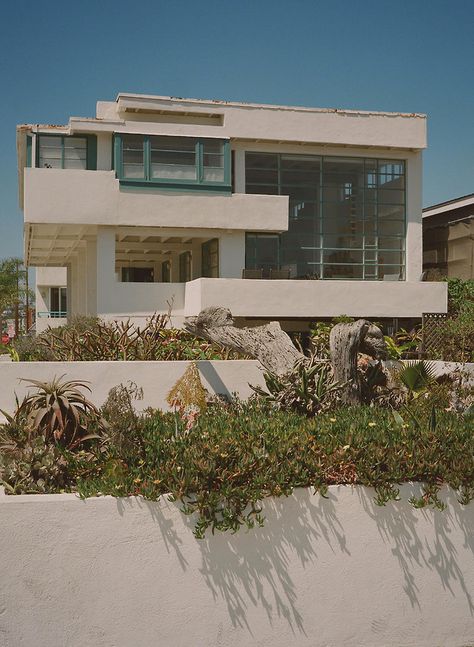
x: 269, y: 343
x: 346, y: 341
x: 276, y: 352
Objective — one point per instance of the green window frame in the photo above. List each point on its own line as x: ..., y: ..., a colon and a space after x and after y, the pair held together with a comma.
x: 200, y: 181
x: 91, y: 149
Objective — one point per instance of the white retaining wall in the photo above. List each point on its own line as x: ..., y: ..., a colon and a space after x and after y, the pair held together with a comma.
x: 156, y: 378
x: 321, y: 573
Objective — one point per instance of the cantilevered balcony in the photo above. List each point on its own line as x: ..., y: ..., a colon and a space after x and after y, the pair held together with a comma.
x: 77, y: 197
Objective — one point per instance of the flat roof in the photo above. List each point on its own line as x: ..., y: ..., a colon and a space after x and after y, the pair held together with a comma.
x: 266, y: 106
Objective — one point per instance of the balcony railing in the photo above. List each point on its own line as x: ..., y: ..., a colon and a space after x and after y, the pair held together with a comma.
x: 52, y: 314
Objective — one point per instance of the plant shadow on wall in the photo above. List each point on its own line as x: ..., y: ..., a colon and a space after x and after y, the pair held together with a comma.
x: 397, y: 525
x: 250, y: 569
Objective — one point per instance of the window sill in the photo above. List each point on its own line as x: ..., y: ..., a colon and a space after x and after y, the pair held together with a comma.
x: 186, y: 187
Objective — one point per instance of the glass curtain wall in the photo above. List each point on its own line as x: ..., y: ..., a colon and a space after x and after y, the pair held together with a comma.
x: 346, y: 216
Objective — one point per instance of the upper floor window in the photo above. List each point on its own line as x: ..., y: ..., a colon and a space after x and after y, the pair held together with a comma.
x: 173, y: 161
x: 66, y: 152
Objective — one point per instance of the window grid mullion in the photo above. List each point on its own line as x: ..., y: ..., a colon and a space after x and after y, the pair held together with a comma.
x: 199, y: 162
x: 62, y: 152
x: 147, y: 158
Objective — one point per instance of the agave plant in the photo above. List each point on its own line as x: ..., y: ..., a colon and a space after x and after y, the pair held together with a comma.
x: 59, y: 412
x: 308, y: 389
x: 417, y: 377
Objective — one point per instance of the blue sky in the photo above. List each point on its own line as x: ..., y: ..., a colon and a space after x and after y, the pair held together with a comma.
x: 58, y: 58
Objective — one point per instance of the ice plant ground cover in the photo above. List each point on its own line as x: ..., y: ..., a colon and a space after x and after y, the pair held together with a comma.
x: 236, y: 454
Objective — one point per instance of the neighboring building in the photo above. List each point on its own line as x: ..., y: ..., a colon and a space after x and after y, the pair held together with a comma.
x: 50, y: 297
x: 448, y: 238
x: 163, y: 200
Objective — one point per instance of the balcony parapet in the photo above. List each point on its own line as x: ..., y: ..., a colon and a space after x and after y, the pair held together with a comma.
x: 61, y: 196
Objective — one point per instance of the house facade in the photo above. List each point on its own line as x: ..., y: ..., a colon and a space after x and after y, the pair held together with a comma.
x: 275, y: 212
x: 448, y: 238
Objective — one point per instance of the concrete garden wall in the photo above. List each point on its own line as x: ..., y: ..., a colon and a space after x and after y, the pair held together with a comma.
x: 156, y: 378
x: 321, y: 572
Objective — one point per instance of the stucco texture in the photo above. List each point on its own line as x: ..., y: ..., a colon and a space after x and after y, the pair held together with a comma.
x: 321, y: 572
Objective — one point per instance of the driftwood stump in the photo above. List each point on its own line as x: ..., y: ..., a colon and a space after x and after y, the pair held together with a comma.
x: 346, y: 341
x: 275, y: 351
x: 269, y: 343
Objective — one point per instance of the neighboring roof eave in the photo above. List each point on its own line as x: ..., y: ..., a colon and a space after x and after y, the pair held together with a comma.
x: 449, y: 205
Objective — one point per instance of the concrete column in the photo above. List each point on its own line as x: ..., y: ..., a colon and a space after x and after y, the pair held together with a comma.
x: 91, y: 273
x: 74, y: 289
x: 81, y: 283
x: 105, y: 272
x: 414, y: 242
x: 239, y: 171
x: 69, y: 289
x: 231, y: 255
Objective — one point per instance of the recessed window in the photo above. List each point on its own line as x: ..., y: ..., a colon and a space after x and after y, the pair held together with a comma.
x: 173, y: 161
x: 65, y: 152
x: 166, y: 272
x: 185, y: 268
x: 58, y: 302
x: 137, y: 275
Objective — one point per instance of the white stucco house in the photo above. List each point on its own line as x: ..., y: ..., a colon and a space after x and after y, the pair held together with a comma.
x: 275, y: 212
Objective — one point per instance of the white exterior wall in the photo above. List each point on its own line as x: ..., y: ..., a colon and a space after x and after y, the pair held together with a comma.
x: 321, y: 572
x: 95, y: 198
x: 251, y: 121
x: 310, y: 299
x: 46, y: 278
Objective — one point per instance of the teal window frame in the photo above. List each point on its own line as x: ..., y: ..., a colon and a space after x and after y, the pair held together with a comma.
x: 29, y: 147
x: 167, y: 183
x: 91, y: 149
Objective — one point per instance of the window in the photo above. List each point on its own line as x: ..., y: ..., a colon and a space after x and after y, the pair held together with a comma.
x: 346, y: 216
x: 166, y: 272
x: 185, y: 267
x: 173, y: 161
x: 57, y: 302
x: 65, y: 152
x: 262, y: 252
x: 210, y: 258
x: 137, y: 275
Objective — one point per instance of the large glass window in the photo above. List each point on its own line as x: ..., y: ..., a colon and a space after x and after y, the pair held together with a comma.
x: 62, y: 152
x: 173, y: 161
x: 346, y: 216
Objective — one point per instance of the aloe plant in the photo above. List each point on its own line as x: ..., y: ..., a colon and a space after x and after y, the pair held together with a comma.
x: 59, y: 412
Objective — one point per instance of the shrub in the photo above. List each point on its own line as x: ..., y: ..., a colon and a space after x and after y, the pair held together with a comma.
x: 308, y: 389
x: 90, y: 338
x: 403, y: 344
x: 236, y: 455
x: 38, y: 442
